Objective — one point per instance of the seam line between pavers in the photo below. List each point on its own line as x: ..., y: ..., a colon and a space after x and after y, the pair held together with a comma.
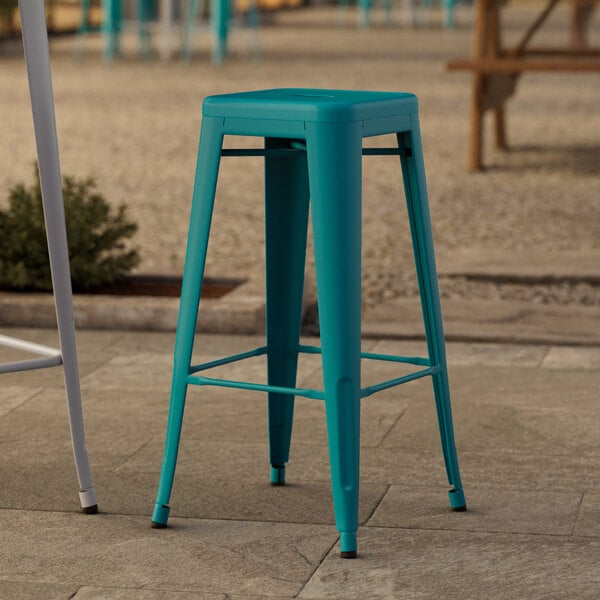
x: 144, y: 445
x: 577, y: 515
x: 540, y: 365
x: 387, y: 433
x: 35, y: 392
x: 325, y: 555
x: 370, y: 516
x: 487, y: 532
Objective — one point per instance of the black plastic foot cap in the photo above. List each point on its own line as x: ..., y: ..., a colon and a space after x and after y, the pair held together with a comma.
x: 459, y: 508
x: 349, y: 554
x: 156, y: 525
x: 90, y: 510
x: 277, y: 483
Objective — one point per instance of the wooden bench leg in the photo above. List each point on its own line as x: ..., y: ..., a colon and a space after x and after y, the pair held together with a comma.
x: 476, y: 141
x: 580, y: 19
x: 500, y: 128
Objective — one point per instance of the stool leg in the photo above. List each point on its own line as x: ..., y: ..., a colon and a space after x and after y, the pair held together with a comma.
x: 189, y: 24
x: 334, y: 163
x: 286, y: 208
x: 365, y: 9
x: 84, y: 27
x: 143, y: 16
x: 219, y: 17
x: 413, y: 171
x: 202, y: 205
x: 448, y: 13
x: 111, y: 27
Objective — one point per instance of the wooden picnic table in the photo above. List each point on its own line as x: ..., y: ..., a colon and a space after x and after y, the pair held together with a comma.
x: 496, y: 69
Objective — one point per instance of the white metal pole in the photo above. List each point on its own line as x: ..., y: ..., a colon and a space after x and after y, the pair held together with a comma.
x: 37, y: 57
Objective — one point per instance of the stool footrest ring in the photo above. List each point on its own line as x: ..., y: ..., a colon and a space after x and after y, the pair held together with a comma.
x: 308, y: 392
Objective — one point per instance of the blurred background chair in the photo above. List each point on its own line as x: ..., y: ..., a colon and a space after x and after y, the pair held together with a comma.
x: 223, y: 13
x: 411, y: 10
x: 113, y: 19
x: 117, y: 14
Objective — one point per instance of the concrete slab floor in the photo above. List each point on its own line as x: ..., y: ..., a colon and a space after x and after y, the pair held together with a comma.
x: 527, y: 434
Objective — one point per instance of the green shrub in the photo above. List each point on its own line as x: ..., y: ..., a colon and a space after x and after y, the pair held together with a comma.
x: 98, y: 238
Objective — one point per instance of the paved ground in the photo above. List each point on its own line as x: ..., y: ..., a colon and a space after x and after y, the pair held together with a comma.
x: 528, y: 430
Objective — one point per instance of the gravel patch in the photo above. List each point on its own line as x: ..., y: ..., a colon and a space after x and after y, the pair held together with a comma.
x: 134, y: 126
x: 563, y: 293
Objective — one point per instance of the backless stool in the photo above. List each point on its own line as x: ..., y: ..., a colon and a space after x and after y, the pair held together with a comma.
x: 313, y: 148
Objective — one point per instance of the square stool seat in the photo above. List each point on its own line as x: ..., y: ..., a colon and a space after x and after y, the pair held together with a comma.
x: 339, y: 106
x: 284, y: 112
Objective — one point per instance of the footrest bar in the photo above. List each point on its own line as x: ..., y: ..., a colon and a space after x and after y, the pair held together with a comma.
x: 306, y: 392
x: 411, y: 360
x: 256, y: 387
x: 229, y: 359
x: 50, y: 357
x: 18, y: 344
x: 372, y: 389
x: 31, y: 364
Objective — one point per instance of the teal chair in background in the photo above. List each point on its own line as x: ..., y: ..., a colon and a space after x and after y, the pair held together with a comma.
x: 222, y: 13
x: 410, y: 8
x: 112, y: 25
x: 312, y: 149
x: 447, y: 8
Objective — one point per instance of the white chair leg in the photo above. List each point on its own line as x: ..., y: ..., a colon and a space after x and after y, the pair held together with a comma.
x: 37, y: 56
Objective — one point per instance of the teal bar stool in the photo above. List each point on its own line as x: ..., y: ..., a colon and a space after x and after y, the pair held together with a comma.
x: 313, y: 148
x: 365, y: 11
x: 412, y: 5
x: 222, y: 14
x: 219, y: 20
x: 112, y: 24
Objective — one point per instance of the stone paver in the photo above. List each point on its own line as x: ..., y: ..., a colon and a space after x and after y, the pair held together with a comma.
x: 461, y: 354
x: 493, y: 510
x: 528, y: 446
x: 119, y: 551
x: 567, y: 357
x: 503, y: 427
x: 407, y: 564
x: 25, y: 590
x: 588, y: 522
x: 15, y: 396
x: 113, y: 593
